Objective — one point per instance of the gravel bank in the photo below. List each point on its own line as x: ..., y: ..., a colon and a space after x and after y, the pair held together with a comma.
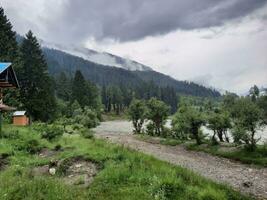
x: 244, y: 178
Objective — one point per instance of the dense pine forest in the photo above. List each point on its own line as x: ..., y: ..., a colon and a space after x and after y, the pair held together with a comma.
x: 117, y: 87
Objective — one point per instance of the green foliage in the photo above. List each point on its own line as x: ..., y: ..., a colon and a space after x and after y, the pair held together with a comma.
x: 186, y: 121
x: 219, y: 122
x: 9, y: 53
x: 58, y: 147
x: 36, y: 87
x: 79, y: 89
x: 262, y: 103
x: 87, y: 133
x: 157, y: 113
x: 63, y: 87
x: 137, y: 113
x: 244, y: 155
x: 31, y: 146
x: 254, y: 93
x: 52, y: 132
x: 87, y: 118
x: 59, y: 61
x: 126, y: 175
x: 247, y: 118
x: 85, y: 92
x: 8, y: 44
x: 229, y: 101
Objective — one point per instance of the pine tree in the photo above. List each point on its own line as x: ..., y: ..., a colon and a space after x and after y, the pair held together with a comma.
x: 63, y: 87
x: 8, y: 44
x: 36, y: 91
x: 79, y: 89
x: 85, y: 93
x: 8, y: 53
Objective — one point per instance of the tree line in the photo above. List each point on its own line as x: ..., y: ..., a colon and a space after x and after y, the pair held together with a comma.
x: 38, y: 93
x: 244, y: 116
x: 47, y: 98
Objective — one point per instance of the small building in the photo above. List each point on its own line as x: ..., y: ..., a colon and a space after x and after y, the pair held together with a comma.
x: 8, y: 79
x: 20, y: 118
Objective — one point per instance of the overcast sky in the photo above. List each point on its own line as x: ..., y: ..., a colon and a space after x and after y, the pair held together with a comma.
x: 219, y: 43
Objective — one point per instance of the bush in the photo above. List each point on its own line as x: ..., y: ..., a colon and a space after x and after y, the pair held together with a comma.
x: 88, y: 118
x: 58, y: 147
x: 157, y: 113
x: 137, y: 113
x: 167, y: 132
x: 150, y: 129
x: 12, y: 134
x: 86, y: 133
x: 188, y: 120
x: 31, y: 146
x: 52, y: 132
x: 77, y: 126
x: 247, y: 118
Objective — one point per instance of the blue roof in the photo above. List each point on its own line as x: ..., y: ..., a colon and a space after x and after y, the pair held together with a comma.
x: 4, y: 66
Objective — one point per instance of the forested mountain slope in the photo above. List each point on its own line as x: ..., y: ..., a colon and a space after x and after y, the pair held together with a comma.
x: 59, y: 61
x: 183, y: 87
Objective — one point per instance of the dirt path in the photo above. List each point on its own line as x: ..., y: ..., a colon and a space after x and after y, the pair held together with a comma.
x: 244, y: 178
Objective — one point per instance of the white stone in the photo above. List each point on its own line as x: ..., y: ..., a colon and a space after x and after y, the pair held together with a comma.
x: 52, y: 171
x: 78, y: 165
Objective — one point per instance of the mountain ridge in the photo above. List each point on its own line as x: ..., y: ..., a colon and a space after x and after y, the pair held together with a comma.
x: 60, y: 61
x: 103, y: 58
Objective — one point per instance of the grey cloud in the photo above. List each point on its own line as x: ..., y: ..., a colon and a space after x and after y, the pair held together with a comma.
x: 127, y: 20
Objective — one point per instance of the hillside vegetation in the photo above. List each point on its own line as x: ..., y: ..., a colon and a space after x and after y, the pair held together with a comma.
x: 59, y: 61
x: 122, y: 173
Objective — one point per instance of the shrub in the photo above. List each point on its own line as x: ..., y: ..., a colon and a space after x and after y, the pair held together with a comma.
x: 137, y: 113
x: 248, y: 118
x: 31, y: 146
x: 39, y: 126
x: 157, y: 113
x: 167, y: 132
x: 188, y: 120
x: 58, y: 147
x: 150, y: 129
x: 168, y: 190
x: 88, y: 118
x: 219, y: 122
x: 77, y: 126
x: 12, y: 134
x: 86, y: 133
x: 52, y: 132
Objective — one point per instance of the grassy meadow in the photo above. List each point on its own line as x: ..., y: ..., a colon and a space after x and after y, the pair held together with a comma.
x: 124, y: 174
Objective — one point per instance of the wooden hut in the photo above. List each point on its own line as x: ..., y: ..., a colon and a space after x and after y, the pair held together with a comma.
x: 20, y: 118
x: 8, y: 79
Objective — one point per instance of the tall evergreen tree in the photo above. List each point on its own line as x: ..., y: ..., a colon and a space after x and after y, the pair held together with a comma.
x: 85, y: 92
x: 63, y: 87
x: 37, y: 93
x: 79, y: 89
x: 8, y: 53
x: 8, y: 44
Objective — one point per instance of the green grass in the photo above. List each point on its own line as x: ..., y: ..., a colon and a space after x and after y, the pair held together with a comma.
x: 125, y: 174
x: 258, y: 157
x: 159, y: 140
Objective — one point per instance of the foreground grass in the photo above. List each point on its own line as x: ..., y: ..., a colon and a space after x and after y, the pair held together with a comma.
x: 125, y: 174
x: 258, y: 157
